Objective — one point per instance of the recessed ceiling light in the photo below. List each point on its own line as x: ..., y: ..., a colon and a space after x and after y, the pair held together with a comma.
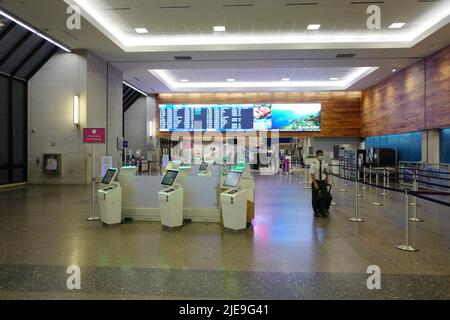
x: 394, y: 70
x: 285, y: 79
x: 141, y: 30
x: 231, y: 80
x: 334, y: 79
x: 314, y: 27
x: 2, y: 24
x: 397, y: 25
x: 219, y: 28
x: 184, y: 80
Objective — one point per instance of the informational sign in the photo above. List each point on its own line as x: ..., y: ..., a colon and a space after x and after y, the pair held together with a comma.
x: 125, y: 144
x: 107, y: 163
x: 240, y: 117
x: 94, y: 135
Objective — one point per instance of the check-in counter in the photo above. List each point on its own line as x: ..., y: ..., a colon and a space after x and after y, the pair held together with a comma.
x: 140, y: 200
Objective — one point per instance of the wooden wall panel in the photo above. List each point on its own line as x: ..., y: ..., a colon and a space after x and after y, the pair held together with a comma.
x: 438, y: 90
x: 340, y: 110
x: 415, y: 99
x: 396, y: 105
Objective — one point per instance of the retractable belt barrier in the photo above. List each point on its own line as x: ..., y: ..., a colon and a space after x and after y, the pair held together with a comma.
x: 424, y: 195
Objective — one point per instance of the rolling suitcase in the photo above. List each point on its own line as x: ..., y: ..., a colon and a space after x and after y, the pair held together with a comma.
x: 325, y: 198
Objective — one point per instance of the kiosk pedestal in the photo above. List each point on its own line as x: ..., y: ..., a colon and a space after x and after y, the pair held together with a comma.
x: 234, y: 209
x: 171, y: 207
x: 171, y: 201
x: 110, y: 204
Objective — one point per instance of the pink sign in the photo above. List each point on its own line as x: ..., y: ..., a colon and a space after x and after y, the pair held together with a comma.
x: 94, y: 135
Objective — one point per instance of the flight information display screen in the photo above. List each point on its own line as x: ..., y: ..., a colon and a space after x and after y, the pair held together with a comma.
x: 240, y: 117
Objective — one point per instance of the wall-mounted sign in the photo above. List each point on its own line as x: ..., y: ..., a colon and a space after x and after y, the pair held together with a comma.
x: 94, y: 135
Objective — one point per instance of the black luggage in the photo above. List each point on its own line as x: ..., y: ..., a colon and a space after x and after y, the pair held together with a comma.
x: 325, y: 198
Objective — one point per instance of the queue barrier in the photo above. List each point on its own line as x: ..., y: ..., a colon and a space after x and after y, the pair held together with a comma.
x: 407, y: 194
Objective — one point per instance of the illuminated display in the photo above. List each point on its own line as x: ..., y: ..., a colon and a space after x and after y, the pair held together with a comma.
x: 304, y: 117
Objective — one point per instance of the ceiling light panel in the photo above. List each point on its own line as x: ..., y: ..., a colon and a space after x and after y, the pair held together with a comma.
x: 141, y: 30
x: 271, y: 25
x: 219, y: 28
x: 314, y: 27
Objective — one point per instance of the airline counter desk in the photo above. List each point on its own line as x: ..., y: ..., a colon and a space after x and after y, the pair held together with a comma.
x: 140, y: 200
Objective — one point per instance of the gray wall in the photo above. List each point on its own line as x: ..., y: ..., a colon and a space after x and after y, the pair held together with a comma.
x: 137, y: 119
x: 50, y: 120
x: 51, y: 128
x: 136, y: 125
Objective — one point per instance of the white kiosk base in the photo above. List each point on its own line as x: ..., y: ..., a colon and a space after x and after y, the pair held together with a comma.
x: 171, y: 207
x: 110, y: 204
x: 234, y: 209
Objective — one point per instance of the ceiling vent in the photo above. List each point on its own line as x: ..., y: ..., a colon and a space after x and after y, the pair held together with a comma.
x: 116, y: 9
x: 238, y: 5
x: 302, y: 4
x: 183, y: 58
x: 345, y: 55
x: 175, y: 7
x: 367, y: 2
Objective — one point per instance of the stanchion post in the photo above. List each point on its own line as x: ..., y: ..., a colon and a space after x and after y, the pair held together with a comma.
x: 406, y: 247
x: 414, y: 218
x: 356, y: 218
x: 385, y: 192
x: 342, y: 183
x: 388, y: 178
x: 307, y: 184
x: 346, y: 183
x: 93, y: 218
x: 364, y: 178
x: 360, y: 195
x: 330, y: 171
x: 376, y: 203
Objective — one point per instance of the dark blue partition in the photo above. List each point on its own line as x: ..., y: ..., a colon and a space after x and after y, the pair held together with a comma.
x: 445, y: 145
x: 408, y: 145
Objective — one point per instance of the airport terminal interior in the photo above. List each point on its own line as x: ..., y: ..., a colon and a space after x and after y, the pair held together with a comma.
x: 224, y: 149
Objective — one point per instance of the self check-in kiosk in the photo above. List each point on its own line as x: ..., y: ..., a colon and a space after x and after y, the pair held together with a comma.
x: 203, y: 170
x: 171, y: 201
x: 234, y: 202
x: 110, y: 198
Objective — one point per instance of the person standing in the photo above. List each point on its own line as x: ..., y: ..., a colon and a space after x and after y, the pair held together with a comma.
x: 319, y: 176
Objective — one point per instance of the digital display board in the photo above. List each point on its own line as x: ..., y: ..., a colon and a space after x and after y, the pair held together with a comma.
x: 240, y: 117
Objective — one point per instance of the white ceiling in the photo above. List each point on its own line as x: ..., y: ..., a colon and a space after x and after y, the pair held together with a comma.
x: 211, y: 63
x: 261, y: 24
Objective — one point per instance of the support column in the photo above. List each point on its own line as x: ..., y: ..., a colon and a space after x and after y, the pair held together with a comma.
x: 431, y: 146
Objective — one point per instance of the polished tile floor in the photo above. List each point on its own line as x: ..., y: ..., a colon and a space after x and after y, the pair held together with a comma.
x: 287, y: 255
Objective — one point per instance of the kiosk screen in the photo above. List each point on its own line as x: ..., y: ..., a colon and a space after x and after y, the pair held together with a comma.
x: 203, y: 166
x: 232, y: 180
x: 109, y: 176
x: 170, y: 177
